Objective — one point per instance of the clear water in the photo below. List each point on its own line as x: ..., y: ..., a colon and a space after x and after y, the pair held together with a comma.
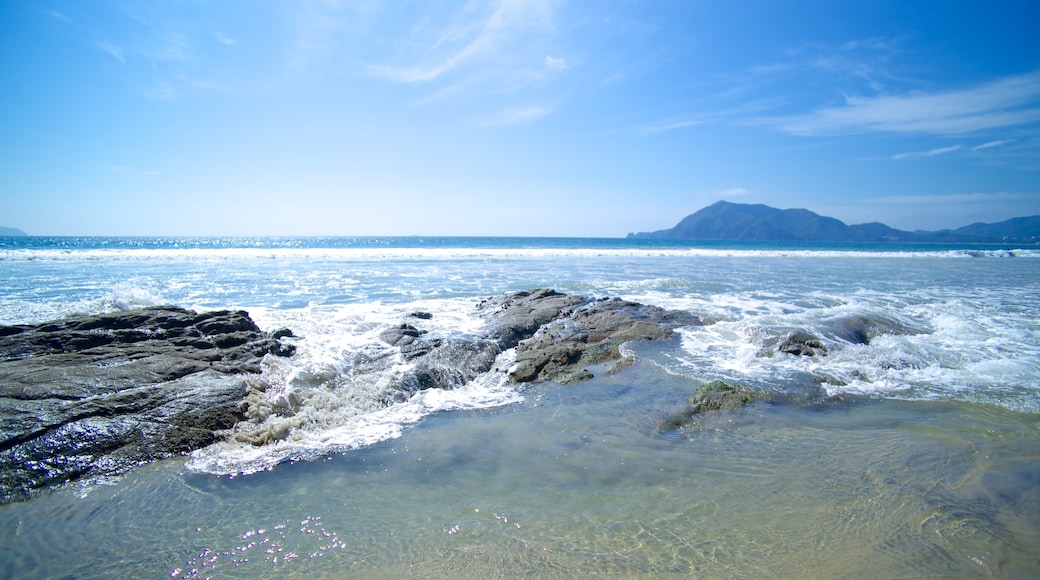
x: 935, y: 471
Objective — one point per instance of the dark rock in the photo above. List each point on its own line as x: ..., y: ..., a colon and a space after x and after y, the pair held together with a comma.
x: 555, y: 335
x: 713, y: 396
x: 801, y: 343
x: 421, y: 315
x: 400, y: 335
x: 94, y: 396
x: 720, y: 396
x: 444, y: 364
x: 518, y: 315
x: 587, y: 333
x: 282, y: 333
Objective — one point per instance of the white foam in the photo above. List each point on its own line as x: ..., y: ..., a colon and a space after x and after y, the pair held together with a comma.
x: 976, y: 349
x: 338, y: 391
x: 434, y: 254
x: 123, y: 296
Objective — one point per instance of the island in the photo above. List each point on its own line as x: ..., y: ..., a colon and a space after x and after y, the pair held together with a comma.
x: 726, y: 221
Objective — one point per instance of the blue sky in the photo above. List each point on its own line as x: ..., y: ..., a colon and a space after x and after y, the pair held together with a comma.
x: 511, y: 117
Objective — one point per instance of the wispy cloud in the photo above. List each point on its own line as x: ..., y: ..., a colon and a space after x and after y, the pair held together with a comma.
x: 671, y: 125
x: 112, y: 50
x: 992, y: 144
x: 929, y: 153
x: 554, y: 63
x: 58, y: 16
x: 223, y: 38
x: 470, y: 39
x: 517, y: 115
x: 1008, y: 102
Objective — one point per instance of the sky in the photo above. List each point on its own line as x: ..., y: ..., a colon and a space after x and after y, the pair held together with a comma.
x: 511, y: 117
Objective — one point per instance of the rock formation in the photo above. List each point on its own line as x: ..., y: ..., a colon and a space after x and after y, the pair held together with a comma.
x: 93, y: 396
x: 574, y: 332
x: 556, y: 337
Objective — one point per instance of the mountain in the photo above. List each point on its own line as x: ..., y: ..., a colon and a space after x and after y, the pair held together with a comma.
x: 744, y: 222
x: 1017, y: 229
x: 12, y: 232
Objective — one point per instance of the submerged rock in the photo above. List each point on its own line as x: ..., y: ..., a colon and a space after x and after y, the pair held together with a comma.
x: 713, y: 396
x: 93, y: 396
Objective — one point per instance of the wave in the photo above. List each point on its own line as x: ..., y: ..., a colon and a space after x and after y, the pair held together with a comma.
x: 967, y: 350
x: 457, y: 253
x: 345, y: 388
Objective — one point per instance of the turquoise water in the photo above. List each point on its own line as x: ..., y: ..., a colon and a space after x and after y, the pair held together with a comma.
x: 926, y: 464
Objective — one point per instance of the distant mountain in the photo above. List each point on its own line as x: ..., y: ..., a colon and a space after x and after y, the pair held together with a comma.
x: 11, y: 232
x: 744, y: 222
x: 1022, y: 228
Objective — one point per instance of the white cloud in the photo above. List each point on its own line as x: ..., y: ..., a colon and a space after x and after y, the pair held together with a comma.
x: 930, y: 152
x: 671, y: 125
x: 1007, y: 102
x: 516, y: 116
x: 471, y: 40
x: 59, y: 16
x: 223, y: 38
x: 112, y: 50
x: 556, y: 63
x: 992, y: 144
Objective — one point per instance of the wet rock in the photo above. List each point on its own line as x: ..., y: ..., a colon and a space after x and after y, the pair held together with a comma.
x: 713, y: 396
x: 94, y: 396
x: 720, y: 396
x: 801, y: 343
x: 591, y: 334
x: 556, y: 337
x: 518, y: 315
x: 400, y: 335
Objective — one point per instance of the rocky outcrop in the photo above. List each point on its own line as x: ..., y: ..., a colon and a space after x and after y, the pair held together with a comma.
x: 93, y: 396
x: 556, y: 336
x: 582, y: 334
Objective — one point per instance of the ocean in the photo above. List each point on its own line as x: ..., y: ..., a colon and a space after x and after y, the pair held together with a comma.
x: 920, y: 460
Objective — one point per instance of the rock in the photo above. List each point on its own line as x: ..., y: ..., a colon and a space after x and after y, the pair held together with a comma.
x: 590, y: 334
x: 801, y: 343
x: 720, y: 396
x: 93, y: 396
x: 400, y: 335
x: 518, y: 315
x: 713, y: 396
x: 555, y: 335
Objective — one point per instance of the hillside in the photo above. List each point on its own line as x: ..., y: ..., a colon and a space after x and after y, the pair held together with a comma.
x: 11, y: 232
x: 727, y: 221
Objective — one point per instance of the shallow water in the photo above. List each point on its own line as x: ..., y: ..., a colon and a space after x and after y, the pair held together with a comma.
x: 578, y: 481
x: 926, y: 465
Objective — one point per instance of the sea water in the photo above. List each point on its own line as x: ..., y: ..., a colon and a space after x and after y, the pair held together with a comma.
x: 909, y: 450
